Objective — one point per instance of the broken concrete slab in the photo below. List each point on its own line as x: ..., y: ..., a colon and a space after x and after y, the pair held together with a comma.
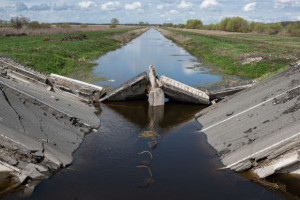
x: 39, y: 128
x: 83, y: 90
x: 256, y: 124
x: 219, y: 93
x: 14, y: 68
x: 277, y: 164
x: 177, y: 91
x: 134, y: 89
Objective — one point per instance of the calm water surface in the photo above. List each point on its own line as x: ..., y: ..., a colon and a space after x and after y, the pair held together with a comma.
x: 109, y: 166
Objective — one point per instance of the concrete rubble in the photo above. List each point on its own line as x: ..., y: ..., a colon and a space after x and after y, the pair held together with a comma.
x: 41, y: 124
x: 221, y: 92
x: 177, y: 91
x: 134, y: 89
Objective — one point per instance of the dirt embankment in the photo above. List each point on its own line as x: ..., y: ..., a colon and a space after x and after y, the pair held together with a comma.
x: 130, y: 35
x: 54, y: 30
x: 177, y: 37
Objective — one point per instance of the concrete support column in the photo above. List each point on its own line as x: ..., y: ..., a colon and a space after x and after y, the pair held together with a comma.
x: 156, y: 95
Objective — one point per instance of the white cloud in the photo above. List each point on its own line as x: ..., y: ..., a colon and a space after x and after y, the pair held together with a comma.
x: 110, y: 5
x: 173, y: 12
x: 285, y: 3
x: 20, y: 6
x: 210, y: 5
x: 62, y: 6
x: 133, y: 6
x: 86, y: 5
x: 160, y: 6
x: 249, y: 7
x: 40, y: 7
x: 184, y: 5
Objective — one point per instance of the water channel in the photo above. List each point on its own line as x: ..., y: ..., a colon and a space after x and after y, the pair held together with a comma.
x: 108, y: 165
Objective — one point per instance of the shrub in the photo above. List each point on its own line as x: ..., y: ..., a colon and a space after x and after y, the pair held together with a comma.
x: 293, y: 29
x: 65, y: 25
x: 37, y: 25
x: 194, y: 24
x: 19, y: 22
x: 181, y: 25
x: 168, y: 25
x: 83, y: 26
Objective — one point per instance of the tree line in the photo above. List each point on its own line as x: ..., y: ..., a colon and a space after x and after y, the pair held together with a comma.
x: 238, y: 24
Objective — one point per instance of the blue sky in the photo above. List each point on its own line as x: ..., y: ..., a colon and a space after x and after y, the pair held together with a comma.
x: 132, y: 11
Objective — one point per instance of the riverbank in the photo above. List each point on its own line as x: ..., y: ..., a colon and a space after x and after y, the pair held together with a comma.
x: 67, y: 54
x: 245, y: 55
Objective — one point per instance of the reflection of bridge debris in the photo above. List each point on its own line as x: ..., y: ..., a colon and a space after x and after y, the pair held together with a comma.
x: 162, y: 117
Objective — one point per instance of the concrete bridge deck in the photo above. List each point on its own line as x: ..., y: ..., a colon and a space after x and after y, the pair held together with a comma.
x: 256, y: 124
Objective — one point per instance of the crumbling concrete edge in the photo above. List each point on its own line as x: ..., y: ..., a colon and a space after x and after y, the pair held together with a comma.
x: 44, y: 105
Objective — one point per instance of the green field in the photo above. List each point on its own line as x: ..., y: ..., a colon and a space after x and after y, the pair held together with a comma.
x: 71, y: 58
x: 246, y: 55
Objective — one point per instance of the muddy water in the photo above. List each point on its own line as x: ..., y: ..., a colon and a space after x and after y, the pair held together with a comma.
x: 109, y: 164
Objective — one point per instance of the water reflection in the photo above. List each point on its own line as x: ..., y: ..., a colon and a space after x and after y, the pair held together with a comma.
x: 162, y: 117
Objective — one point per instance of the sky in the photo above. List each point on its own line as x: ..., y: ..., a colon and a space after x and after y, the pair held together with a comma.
x: 151, y: 11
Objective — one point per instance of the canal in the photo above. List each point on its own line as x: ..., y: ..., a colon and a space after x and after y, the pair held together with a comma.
x: 115, y: 161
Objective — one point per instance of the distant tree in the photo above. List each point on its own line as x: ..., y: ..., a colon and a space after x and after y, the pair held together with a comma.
x: 181, y: 26
x: 194, y: 24
x: 37, y: 25
x: 83, y: 26
x: 168, y: 25
x: 114, y: 22
x: 141, y: 23
x: 65, y: 25
x: 19, y: 22
x: 223, y: 24
x: 237, y: 24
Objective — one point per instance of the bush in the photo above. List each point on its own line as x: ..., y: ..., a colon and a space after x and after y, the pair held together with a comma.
x: 37, y: 25
x: 181, y: 25
x: 293, y: 29
x: 237, y: 24
x: 113, y: 26
x: 19, y: 22
x: 168, y: 25
x: 194, y: 24
x: 275, y: 28
x: 65, y: 25
x: 83, y: 26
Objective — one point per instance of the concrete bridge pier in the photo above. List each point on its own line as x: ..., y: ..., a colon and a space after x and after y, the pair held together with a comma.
x: 156, y: 94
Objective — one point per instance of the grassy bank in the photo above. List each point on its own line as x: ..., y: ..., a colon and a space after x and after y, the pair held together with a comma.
x: 68, y: 57
x: 246, y: 55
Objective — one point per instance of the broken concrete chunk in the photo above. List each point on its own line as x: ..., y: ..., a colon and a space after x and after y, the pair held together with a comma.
x: 85, y: 91
x: 177, y: 91
x: 32, y: 172
x: 220, y: 93
x: 134, y: 89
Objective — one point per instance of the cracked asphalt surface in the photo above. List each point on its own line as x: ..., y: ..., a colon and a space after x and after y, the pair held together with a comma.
x: 257, y: 123
x: 39, y: 129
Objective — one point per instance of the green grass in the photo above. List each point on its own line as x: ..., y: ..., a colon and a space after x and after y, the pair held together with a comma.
x: 60, y: 57
x: 229, y: 51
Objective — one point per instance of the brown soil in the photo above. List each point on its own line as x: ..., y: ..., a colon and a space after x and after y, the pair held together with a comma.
x: 54, y: 30
x: 74, y: 38
x: 177, y: 37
